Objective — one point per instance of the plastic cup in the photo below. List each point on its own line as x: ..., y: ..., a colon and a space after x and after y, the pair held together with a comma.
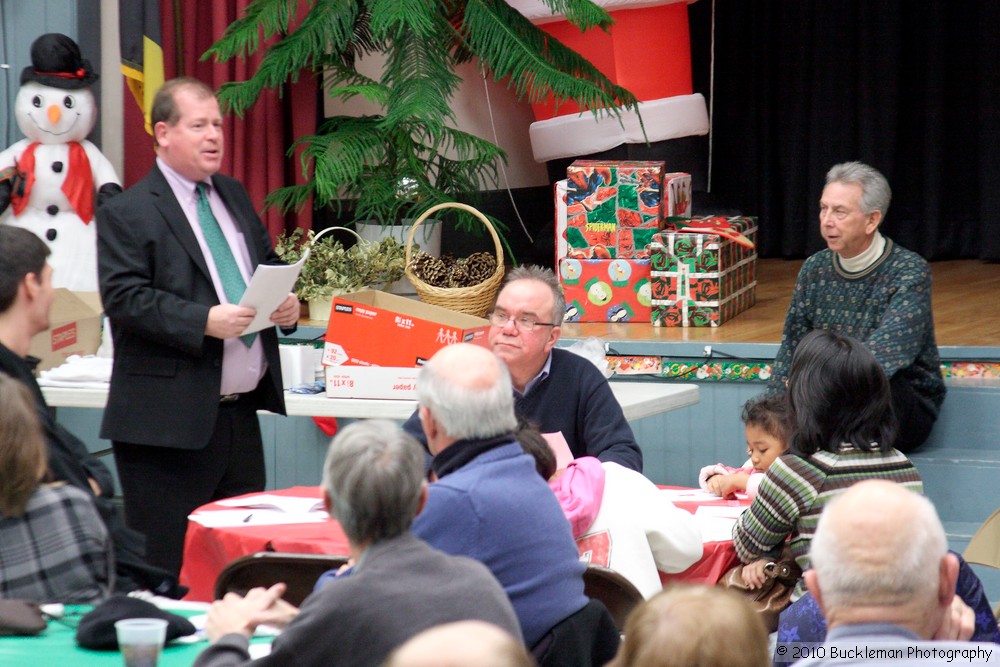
x: 141, y: 640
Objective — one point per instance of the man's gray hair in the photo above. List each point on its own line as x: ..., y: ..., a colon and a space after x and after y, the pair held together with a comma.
x: 876, y: 193
x: 909, y: 570
x: 373, y: 474
x: 466, y: 412
x: 549, y: 279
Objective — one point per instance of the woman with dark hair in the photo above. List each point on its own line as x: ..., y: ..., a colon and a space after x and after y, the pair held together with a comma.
x: 841, y: 409
x: 53, y: 545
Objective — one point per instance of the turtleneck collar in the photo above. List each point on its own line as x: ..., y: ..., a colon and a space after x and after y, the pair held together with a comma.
x: 868, y: 257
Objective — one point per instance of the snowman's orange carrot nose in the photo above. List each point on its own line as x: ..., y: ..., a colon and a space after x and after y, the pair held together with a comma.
x: 54, y: 114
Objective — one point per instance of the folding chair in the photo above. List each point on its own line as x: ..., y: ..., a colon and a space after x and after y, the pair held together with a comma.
x: 984, y: 547
x: 617, y: 593
x: 266, y: 568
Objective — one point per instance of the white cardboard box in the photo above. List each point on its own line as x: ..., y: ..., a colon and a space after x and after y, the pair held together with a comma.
x: 371, y: 382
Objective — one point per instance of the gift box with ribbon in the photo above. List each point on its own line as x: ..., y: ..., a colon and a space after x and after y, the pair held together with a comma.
x: 703, y: 271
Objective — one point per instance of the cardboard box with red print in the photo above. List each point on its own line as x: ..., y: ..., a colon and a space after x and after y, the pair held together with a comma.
x: 629, y: 242
x: 373, y: 328
x: 613, y: 208
x: 605, y: 290
x: 704, y: 273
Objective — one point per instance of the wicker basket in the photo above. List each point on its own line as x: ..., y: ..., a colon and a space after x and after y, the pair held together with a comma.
x: 474, y: 299
x: 353, y: 233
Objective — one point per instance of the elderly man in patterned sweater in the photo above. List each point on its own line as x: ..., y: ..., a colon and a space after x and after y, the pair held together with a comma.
x: 867, y: 287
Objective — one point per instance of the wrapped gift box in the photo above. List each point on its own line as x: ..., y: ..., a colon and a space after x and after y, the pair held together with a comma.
x: 606, y: 290
x: 613, y: 207
x: 702, y: 279
x: 629, y: 242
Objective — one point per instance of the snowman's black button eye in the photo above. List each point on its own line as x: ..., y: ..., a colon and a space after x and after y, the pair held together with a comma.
x: 37, y: 101
x: 69, y: 102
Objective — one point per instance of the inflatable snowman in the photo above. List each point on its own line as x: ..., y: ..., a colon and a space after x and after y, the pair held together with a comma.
x: 51, y: 182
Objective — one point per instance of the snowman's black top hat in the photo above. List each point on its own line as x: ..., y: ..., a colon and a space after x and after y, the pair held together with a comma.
x: 56, y: 61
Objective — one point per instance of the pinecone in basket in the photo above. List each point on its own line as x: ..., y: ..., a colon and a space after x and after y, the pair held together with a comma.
x: 450, y: 272
x: 429, y: 269
x: 480, y: 266
x: 458, y: 274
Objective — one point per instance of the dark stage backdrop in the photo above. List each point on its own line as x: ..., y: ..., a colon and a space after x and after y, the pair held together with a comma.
x: 912, y: 88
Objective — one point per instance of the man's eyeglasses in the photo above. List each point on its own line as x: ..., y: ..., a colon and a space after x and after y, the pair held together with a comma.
x: 500, y: 319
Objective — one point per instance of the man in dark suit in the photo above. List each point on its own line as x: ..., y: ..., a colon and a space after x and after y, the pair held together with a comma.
x: 186, y: 386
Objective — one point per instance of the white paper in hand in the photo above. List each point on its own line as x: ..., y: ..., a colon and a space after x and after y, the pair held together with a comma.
x: 268, y: 288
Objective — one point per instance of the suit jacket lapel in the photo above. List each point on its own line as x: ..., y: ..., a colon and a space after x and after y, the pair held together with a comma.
x: 173, y: 214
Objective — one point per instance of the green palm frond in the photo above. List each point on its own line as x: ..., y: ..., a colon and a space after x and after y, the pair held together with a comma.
x: 391, y: 19
x: 422, y: 78
x: 538, y: 65
x: 260, y: 20
x: 406, y: 157
x: 328, y: 27
x: 581, y: 13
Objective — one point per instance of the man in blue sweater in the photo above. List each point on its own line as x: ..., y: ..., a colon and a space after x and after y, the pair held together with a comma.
x: 554, y: 389
x: 488, y: 502
x: 397, y: 587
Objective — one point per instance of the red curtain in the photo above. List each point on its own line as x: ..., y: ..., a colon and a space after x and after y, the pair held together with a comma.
x: 255, y: 144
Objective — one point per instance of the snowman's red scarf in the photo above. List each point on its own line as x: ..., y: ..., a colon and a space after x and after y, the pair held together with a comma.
x: 78, y: 186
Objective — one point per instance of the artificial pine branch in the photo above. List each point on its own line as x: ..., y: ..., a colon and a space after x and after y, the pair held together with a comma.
x: 407, y: 158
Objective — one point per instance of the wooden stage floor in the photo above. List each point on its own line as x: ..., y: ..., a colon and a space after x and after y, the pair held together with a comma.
x: 965, y: 298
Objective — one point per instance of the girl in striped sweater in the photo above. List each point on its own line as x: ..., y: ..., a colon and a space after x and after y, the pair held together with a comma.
x: 844, y: 432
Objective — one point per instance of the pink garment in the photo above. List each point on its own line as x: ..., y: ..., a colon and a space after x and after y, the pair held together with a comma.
x: 580, y: 490
x: 719, y: 469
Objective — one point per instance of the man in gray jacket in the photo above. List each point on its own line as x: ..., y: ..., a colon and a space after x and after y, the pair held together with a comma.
x: 397, y: 586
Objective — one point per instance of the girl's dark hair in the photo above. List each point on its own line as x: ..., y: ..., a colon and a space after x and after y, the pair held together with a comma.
x: 838, y: 394
x: 771, y: 413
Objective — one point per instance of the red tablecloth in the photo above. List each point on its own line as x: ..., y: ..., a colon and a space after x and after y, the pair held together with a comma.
x: 718, y: 557
x: 208, y: 550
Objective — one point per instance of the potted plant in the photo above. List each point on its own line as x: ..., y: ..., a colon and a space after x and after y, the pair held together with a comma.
x: 333, y: 268
x: 398, y: 164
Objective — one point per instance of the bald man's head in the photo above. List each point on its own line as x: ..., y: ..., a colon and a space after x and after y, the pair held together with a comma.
x: 466, y: 365
x: 467, y: 391
x: 880, y: 550
x: 461, y: 644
